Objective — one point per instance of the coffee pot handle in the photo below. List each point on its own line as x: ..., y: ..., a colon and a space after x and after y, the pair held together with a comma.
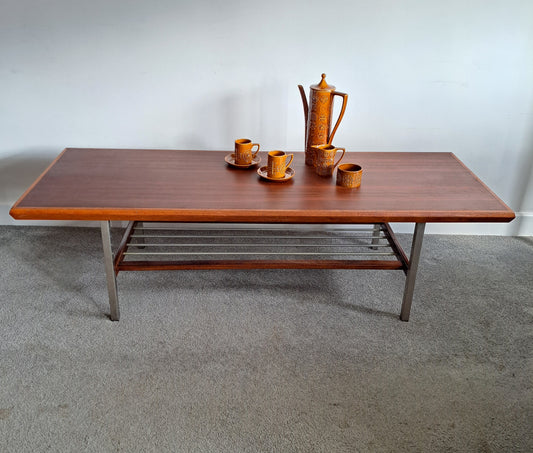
x: 343, y: 108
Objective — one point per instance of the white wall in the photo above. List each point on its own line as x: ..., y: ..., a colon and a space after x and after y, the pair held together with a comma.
x: 426, y: 75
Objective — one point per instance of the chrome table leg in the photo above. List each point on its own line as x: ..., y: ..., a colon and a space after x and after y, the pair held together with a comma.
x: 414, y: 257
x: 110, y: 270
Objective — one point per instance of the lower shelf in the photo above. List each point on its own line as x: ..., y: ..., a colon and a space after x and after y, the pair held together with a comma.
x: 170, y: 246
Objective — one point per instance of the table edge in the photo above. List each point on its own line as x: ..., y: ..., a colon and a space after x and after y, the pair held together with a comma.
x: 255, y: 216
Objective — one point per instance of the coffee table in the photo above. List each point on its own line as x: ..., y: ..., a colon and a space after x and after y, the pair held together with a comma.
x: 242, y: 221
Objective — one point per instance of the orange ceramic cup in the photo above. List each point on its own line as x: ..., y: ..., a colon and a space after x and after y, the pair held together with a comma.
x: 277, y: 164
x: 325, y: 159
x: 243, y: 151
x: 349, y: 175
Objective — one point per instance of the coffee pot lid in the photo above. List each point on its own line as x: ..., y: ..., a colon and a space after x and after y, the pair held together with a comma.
x: 323, y: 85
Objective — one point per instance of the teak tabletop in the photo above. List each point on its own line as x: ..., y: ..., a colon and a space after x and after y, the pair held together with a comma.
x: 198, y: 186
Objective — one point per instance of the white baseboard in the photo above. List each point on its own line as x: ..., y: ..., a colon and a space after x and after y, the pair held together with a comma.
x: 521, y: 226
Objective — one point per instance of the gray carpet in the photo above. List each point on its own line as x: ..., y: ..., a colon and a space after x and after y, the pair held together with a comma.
x: 270, y: 360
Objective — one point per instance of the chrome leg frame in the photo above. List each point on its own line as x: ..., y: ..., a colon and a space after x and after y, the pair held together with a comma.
x: 110, y: 270
x: 411, y: 271
x: 136, y: 260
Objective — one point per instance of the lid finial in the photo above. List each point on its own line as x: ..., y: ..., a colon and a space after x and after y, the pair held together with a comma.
x: 323, y: 83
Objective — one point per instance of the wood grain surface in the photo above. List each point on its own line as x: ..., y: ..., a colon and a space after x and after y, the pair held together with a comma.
x: 198, y: 186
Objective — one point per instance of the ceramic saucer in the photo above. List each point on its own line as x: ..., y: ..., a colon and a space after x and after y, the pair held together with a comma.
x: 289, y: 173
x: 230, y: 159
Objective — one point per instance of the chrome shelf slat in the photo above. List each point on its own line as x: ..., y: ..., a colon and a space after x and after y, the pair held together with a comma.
x: 188, y: 236
x: 239, y: 228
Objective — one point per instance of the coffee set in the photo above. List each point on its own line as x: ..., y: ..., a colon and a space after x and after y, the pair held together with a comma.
x: 319, y: 152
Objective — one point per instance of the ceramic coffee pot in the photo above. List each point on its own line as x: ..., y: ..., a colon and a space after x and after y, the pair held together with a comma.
x: 318, y: 114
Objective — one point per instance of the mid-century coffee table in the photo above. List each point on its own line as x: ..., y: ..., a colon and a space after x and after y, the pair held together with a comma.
x: 190, y: 210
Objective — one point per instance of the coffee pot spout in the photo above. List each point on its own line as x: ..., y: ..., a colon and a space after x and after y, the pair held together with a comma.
x: 306, y: 105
